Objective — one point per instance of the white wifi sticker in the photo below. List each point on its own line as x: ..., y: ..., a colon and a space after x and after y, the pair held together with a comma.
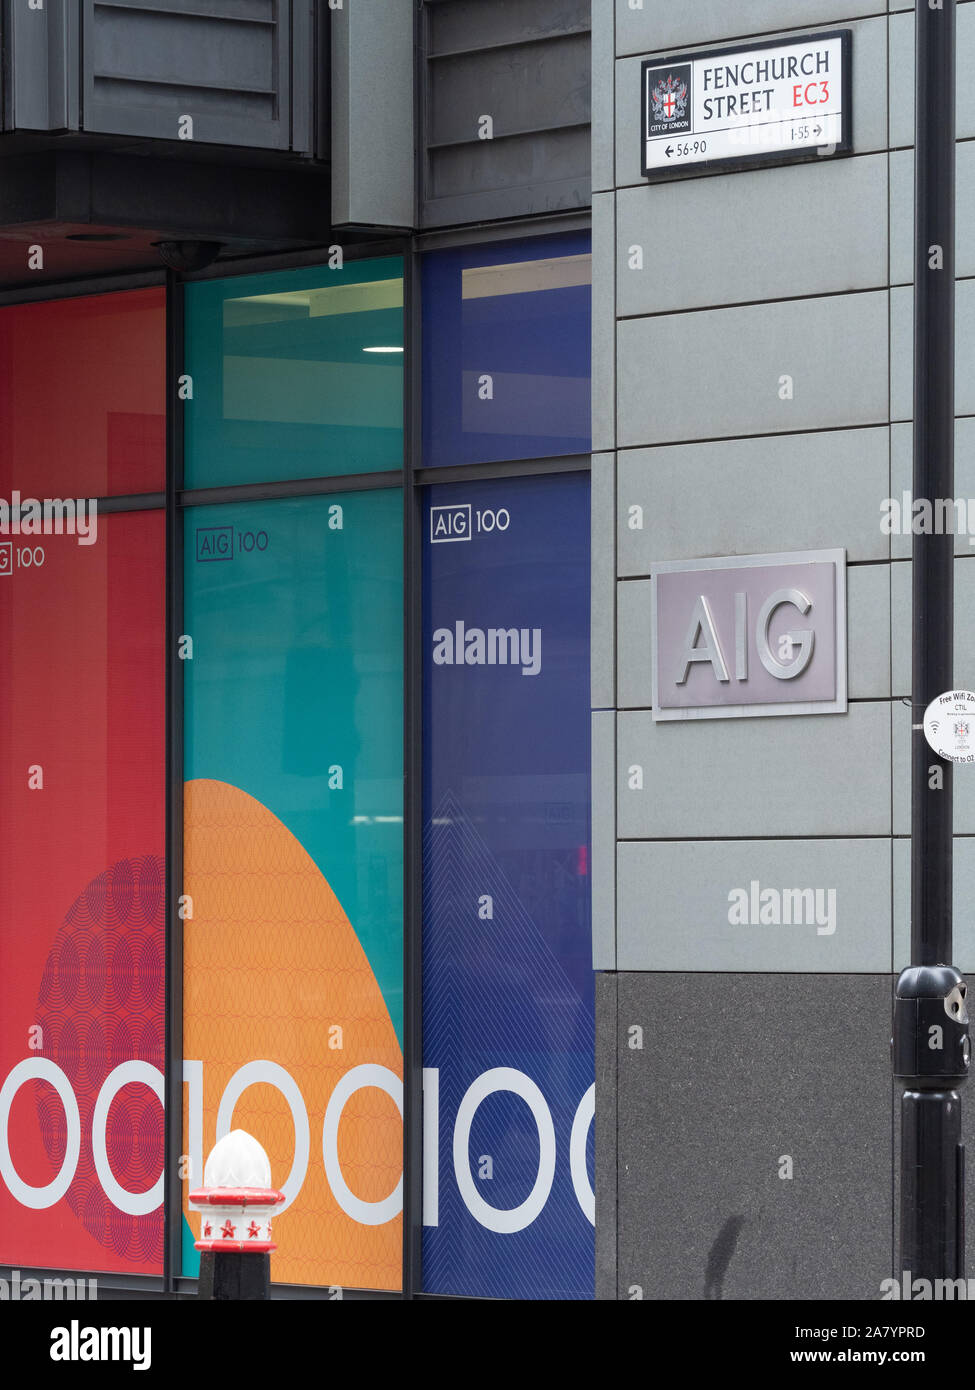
x: 949, y: 726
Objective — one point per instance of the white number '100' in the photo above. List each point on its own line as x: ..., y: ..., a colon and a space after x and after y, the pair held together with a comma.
x: 503, y: 1220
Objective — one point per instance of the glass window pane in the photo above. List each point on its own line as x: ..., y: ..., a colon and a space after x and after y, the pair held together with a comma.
x: 507, y: 351
x: 82, y: 755
x: 82, y: 396
x: 293, y: 845
x: 296, y: 374
x: 508, y: 1004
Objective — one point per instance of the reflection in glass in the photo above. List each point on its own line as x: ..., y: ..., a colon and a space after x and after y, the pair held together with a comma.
x: 507, y: 351
x: 295, y: 375
x: 83, y: 396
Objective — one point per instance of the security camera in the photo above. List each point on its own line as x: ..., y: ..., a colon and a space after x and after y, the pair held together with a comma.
x: 188, y: 255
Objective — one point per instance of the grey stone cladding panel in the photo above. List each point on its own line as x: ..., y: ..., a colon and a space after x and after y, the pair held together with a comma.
x: 603, y: 104
x: 902, y: 351
x: 790, y: 366
x: 699, y: 243
x: 603, y: 323
x: 902, y: 213
x: 963, y: 905
x: 826, y: 774
x: 902, y: 112
x: 660, y: 23
x: 603, y: 598
x: 795, y: 906
x: 749, y: 496
x: 901, y: 472
x: 740, y: 1079
x: 603, y: 840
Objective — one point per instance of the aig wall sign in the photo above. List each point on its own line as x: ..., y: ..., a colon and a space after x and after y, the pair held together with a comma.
x: 749, y: 635
x: 766, y: 103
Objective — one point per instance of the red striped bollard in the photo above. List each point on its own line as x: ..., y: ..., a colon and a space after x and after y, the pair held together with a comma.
x: 236, y: 1203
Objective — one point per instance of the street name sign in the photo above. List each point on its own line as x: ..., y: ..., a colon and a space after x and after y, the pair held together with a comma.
x: 736, y: 107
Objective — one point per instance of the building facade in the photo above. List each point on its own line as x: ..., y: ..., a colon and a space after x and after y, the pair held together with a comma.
x: 752, y: 396
x: 455, y: 611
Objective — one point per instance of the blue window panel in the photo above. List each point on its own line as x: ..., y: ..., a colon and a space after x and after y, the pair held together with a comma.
x: 507, y: 355
x: 508, y: 1010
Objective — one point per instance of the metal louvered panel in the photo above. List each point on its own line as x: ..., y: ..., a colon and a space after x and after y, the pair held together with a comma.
x: 41, y: 73
x: 214, y: 71
x: 525, y: 64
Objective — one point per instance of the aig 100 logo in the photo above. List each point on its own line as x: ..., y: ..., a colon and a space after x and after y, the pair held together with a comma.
x: 460, y: 522
x: 222, y: 542
x: 22, y: 557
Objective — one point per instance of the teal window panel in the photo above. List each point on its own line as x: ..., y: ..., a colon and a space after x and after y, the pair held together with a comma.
x: 295, y: 374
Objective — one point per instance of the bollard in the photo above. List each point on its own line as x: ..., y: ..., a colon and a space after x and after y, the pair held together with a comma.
x: 236, y: 1202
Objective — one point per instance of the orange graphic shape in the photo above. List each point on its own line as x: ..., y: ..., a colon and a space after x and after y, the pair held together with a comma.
x: 272, y: 966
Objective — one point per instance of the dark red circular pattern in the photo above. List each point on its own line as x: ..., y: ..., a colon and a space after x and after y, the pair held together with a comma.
x: 100, y: 1002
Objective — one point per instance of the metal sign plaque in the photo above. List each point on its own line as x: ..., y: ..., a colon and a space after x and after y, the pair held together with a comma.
x: 749, y: 635
x: 949, y: 726
x: 736, y: 107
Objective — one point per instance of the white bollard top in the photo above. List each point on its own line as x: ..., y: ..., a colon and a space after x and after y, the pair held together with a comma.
x: 236, y: 1200
x: 237, y: 1160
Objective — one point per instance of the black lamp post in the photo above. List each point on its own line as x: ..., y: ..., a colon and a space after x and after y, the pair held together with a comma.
x: 931, y: 1044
